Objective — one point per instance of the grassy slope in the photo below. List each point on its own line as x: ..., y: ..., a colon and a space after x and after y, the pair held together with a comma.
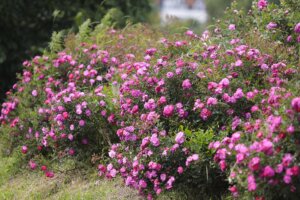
x: 36, y: 186
x: 21, y: 184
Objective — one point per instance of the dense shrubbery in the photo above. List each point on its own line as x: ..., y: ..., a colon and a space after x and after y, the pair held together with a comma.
x: 185, y: 111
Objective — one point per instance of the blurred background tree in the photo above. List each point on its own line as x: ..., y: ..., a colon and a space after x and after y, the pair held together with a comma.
x: 26, y: 26
x: 216, y: 8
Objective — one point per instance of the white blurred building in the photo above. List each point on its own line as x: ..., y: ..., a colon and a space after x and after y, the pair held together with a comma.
x: 183, y: 9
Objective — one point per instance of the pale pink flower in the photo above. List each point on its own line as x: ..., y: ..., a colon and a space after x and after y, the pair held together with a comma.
x: 180, y: 137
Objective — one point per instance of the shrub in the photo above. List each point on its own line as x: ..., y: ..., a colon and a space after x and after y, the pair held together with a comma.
x: 188, y: 111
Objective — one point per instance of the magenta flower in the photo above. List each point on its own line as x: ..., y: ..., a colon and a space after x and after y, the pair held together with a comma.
x: 186, y: 84
x: 154, y: 140
x: 222, y: 165
x: 251, y: 183
x: 180, y: 137
x: 287, y: 179
x: 168, y: 110
x: 162, y: 100
x: 163, y: 177
x: 211, y: 101
x: 296, y: 104
x: 71, y: 152
x: 170, y: 183
x: 266, y: 147
x: 271, y: 26
x: 231, y: 27
x: 297, y: 28
x: 43, y: 168
x: 268, y: 171
x: 238, y: 63
x: 287, y: 159
x: 224, y: 82
x: 24, y: 149
x: 150, y: 105
x: 234, y: 191
x: 290, y: 129
x: 279, y: 168
x: 113, y: 173
x: 170, y: 74
x: 34, y: 93
x: 112, y: 153
x: 261, y: 4
x: 180, y: 170
x: 49, y: 174
x: 142, y: 184
x: 240, y: 157
x: 81, y: 122
x: 189, y: 33
x: 32, y: 165
x: 254, y: 164
x: 238, y: 94
x: 205, y: 113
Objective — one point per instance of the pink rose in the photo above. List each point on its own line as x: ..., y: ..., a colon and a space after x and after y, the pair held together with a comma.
x: 251, y: 183
x: 168, y: 110
x: 297, y: 28
x: 268, y: 172
x: 180, y: 170
x: 261, y: 4
x: 296, y: 104
x: 34, y: 93
x: 180, y: 138
x: 254, y: 164
x: 186, y: 84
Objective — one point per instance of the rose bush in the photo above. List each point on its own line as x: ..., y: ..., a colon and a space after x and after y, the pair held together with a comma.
x: 195, y: 112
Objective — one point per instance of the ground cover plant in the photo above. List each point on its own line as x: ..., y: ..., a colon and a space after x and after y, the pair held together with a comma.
x: 202, y: 114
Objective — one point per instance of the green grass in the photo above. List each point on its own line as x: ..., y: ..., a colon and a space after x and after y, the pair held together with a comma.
x: 77, y: 185
x: 24, y: 184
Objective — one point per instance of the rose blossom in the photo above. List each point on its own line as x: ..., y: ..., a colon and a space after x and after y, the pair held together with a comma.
x: 168, y: 110
x: 180, y: 138
x: 261, y: 4
x: 186, y: 84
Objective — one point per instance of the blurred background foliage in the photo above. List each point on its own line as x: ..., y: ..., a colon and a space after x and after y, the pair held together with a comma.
x: 26, y: 26
x: 216, y: 8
